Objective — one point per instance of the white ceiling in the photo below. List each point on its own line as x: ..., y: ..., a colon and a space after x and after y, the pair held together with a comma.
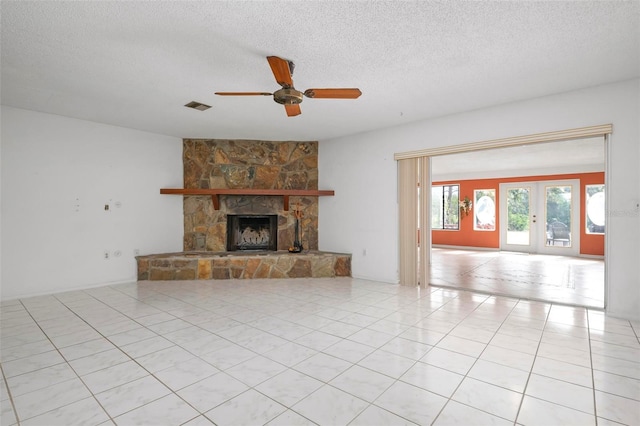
x: 135, y: 64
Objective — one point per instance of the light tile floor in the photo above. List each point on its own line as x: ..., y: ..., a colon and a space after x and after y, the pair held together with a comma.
x: 562, y: 279
x: 312, y: 351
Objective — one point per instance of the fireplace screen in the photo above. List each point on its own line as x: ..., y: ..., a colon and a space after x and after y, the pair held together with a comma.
x: 252, y: 232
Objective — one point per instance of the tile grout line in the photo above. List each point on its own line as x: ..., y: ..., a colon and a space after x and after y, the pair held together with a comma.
x: 593, y: 378
x: 122, y: 351
x: 449, y: 399
x: 396, y: 380
x: 65, y: 361
x: 196, y: 356
x: 404, y: 305
x: 535, y: 357
x: 117, y: 346
x: 327, y: 383
x: 10, y: 396
x: 372, y: 403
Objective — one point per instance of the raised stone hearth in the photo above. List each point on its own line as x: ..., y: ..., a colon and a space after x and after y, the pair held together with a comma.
x: 242, y: 265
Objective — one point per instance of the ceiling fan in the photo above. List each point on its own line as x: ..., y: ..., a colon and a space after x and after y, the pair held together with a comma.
x: 290, y: 97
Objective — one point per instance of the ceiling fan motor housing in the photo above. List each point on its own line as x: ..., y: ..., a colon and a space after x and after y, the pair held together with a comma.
x: 288, y: 96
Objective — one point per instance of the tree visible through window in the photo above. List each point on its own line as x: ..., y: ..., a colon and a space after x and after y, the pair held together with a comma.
x: 445, y: 212
x: 558, y: 204
x: 518, y: 209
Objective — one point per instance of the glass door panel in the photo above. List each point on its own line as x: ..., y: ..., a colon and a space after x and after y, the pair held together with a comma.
x: 518, y: 208
x: 561, y: 202
x: 558, y: 214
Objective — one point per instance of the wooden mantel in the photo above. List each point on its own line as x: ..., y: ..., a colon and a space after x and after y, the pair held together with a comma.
x: 214, y: 193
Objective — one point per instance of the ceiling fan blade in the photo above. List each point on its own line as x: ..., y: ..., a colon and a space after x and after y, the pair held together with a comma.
x: 333, y: 93
x: 293, y: 110
x: 244, y: 93
x: 281, y: 71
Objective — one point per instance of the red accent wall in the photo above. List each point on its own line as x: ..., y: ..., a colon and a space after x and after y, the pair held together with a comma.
x: 466, y: 236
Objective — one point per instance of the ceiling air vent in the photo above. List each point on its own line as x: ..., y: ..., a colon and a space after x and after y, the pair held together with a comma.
x: 198, y: 106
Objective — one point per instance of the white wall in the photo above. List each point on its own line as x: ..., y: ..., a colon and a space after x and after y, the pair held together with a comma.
x: 363, y: 214
x: 57, y: 175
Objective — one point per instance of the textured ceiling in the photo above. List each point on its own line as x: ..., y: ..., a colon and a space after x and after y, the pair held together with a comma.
x: 135, y: 64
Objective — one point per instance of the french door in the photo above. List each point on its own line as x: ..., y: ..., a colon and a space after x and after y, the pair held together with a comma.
x: 540, y: 217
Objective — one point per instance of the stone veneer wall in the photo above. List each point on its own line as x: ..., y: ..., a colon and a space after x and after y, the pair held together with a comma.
x: 240, y: 164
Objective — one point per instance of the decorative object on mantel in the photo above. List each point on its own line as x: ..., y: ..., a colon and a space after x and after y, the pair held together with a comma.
x: 297, y: 245
x: 214, y: 193
x: 465, y: 206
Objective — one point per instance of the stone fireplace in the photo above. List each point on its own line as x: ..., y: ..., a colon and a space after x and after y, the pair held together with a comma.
x: 252, y: 232
x: 247, y: 236
x: 240, y: 164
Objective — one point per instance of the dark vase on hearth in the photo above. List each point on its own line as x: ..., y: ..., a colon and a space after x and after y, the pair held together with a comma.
x: 297, y: 245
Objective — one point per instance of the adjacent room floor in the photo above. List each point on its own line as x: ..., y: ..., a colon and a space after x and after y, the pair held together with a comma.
x: 312, y: 351
x: 561, y: 279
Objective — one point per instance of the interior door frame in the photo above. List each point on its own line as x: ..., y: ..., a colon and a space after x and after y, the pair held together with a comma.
x: 603, y: 130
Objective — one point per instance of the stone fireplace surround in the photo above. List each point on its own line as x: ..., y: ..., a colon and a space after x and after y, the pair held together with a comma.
x: 241, y: 164
x: 238, y: 164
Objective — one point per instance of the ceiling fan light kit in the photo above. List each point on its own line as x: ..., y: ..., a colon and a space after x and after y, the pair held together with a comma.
x: 290, y: 97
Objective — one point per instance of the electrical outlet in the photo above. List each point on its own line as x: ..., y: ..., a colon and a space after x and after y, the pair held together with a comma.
x: 107, y: 255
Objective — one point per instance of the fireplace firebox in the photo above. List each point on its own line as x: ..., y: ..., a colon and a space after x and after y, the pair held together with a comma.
x: 252, y: 232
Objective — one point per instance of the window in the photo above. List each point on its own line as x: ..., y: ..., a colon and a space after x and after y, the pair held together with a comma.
x: 445, y: 211
x: 595, y: 209
x: 484, y: 207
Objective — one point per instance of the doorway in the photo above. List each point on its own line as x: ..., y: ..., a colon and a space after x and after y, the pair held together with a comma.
x: 540, y: 217
x: 470, y: 161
